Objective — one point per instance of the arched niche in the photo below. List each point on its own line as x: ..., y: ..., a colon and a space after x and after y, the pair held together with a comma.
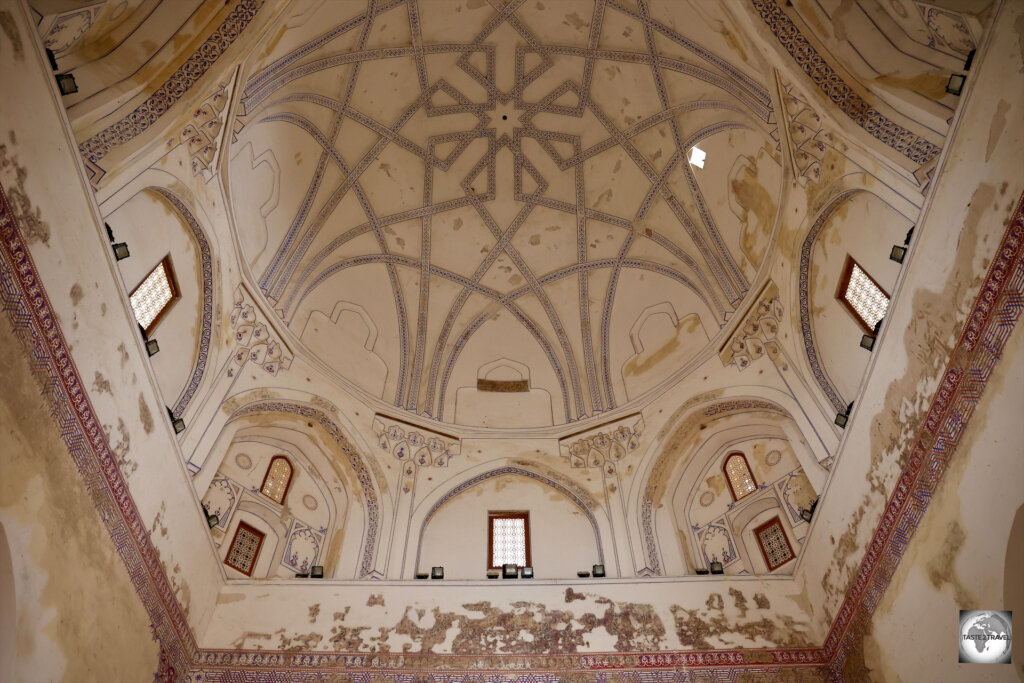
x: 854, y: 224
x: 157, y: 222
x: 315, y: 509
x: 557, y: 508
x: 335, y: 468
x: 687, y: 464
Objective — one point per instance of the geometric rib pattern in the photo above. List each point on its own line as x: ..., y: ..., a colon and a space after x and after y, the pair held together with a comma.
x: 995, y: 313
x: 514, y: 126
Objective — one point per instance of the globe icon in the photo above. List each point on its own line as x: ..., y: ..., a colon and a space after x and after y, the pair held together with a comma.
x: 985, y: 638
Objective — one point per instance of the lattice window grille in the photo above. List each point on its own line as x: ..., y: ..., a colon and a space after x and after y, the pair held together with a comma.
x: 866, y: 298
x: 153, y: 295
x: 276, y: 483
x: 244, y: 549
x: 740, y: 478
x: 509, y: 541
x: 775, y: 546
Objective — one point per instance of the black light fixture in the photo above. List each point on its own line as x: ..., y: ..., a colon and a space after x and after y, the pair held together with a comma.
x: 844, y: 417
x: 510, y: 571
x: 176, y: 422
x: 493, y: 573
x: 717, y: 568
x: 808, y: 514
x: 316, y: 571
x: 152, y: 347
x: 956, y: 84
x: 212, y: 520
x: 437, y: 572
x: 526, y: 573
x: 121, y: 251
x: 867, y: 341
x: 598, y: 571
x: 299, y: 575
x: 422, y: 575
x: 52, y: 59
x: 897, y: 253
x: 702, y: 571
x: 66, y: 84
x: 969, y: 61
x: 583, y: 575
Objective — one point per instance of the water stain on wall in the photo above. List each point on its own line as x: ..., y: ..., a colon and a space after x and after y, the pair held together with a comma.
x: 33, y: 226
x: 10, y: 29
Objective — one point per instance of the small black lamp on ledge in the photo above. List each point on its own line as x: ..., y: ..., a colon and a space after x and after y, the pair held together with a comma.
x: 844, y: 417
x: 437, y: 572
x: 808, y: 514
x: 716, y: 567
x: 526, y: 573
x: 510, y: 571
x: 702, y: 571
x: 493, y: 573
x: 583, y: 575
x: 121, y: 251
x: 316, y: 571
x: 598, y: 571
x: 176, y: 422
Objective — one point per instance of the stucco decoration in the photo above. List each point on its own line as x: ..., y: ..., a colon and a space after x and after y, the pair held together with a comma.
x: 255, y: 340
x: 204, y: 133
x: 405, y: 441
x: 609, y: 442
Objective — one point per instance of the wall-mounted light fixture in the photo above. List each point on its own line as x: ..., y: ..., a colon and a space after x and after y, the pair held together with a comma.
x: 867, y: 341
x: 493, y: 573
x: 176, y: 422
x: 422, y: 575
x: 844, y: 417
x: 299, y: 575
x: 66, y: 84
x: 437, y: 572
x: 956, y: 84
x: 526, y: 573
x: 152, y: 347
x: 702, y: 571
x: 121, y: 251
x: 510, y: 571
x: 52, y: 59
x: 316, y: 571
x: 598, y: 571
x: 212, y: 520
x: 697, y: 157
x: 969, y: 60
x: 716, y: 567
x: 583, y: 575
x: 897, y: 253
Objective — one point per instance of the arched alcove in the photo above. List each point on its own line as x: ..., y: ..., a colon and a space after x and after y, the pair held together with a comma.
x: 563, y: 538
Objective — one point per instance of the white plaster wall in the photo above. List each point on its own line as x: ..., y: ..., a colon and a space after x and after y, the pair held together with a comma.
x: 562, y: 540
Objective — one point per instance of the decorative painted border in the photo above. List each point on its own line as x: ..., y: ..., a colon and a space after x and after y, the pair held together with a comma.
x: 206, y: 317
x: 995, y: 312
x: 804, y: 295
x: 831, y: 84
x: 172, y: 90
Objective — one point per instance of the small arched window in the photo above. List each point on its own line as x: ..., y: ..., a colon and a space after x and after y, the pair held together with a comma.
x: 738, y: 474
x: 278, y: 479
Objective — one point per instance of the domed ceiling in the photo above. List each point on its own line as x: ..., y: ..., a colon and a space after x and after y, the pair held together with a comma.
x: 495, y: 215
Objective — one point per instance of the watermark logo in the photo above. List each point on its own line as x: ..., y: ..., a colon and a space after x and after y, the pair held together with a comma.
x: 986, y: 637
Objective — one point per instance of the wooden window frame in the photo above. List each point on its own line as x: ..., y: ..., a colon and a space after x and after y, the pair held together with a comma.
x: 728, y: 480
x: 172, y: 281
x: 507, y: 514
x: 256, y: 555
x: 287, y: 486
x: 844, y: 282
x: 757, y: 537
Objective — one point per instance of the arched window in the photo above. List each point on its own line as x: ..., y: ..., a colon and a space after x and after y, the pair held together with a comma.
x: 278, y: 479
x: 738, y: 474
